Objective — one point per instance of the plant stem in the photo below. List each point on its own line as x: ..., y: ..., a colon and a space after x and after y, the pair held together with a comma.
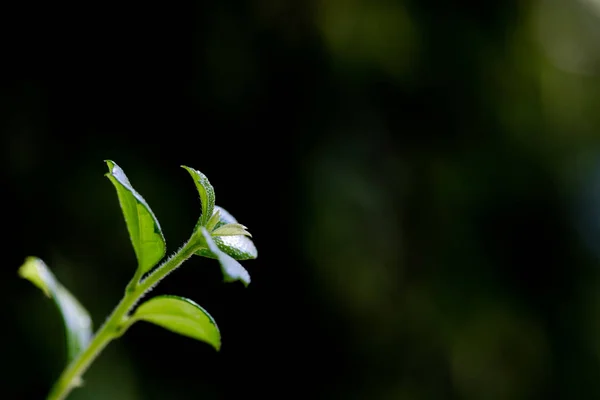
x: 112, y: 327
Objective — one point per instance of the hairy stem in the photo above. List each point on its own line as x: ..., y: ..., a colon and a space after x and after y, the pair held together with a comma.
x: 116, y: 323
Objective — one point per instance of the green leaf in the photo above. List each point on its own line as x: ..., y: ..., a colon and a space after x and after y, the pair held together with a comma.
x: 144, y: 230
x: 232, y: 270
x: 231, y: 230
x: 207, y: 195
x: 239, y: 247
x: 78, y: 324
x: 182, y: 316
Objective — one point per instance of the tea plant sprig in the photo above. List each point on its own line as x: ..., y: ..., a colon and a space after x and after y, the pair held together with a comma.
x: 216, y: 235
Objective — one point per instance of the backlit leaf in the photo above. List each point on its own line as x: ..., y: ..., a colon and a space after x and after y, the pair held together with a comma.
x: 239, y: 247
x: 232, y: 270
x: 144, y: 230
x: 182, y: 316
x: 206, y: 192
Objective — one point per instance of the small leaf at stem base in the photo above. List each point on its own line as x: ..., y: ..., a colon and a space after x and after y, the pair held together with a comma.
x: 78, y: 324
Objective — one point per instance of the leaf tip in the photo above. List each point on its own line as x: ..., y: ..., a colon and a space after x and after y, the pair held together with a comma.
x: 35, y: 271
x: 244, y: 279
x: 111, y: 168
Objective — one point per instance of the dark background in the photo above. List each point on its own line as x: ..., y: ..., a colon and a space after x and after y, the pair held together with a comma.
x: 422, y: 181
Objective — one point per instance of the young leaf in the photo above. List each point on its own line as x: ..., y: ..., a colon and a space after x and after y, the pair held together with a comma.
x: 144, y: 230
x: 207, y: 195
x: 180, y: 315
x: 232, y: 270
x: 225, y: 217
x: 78, y: 324
x: 239, y: 247
x: 231, y: 230
x: 214, y: 220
